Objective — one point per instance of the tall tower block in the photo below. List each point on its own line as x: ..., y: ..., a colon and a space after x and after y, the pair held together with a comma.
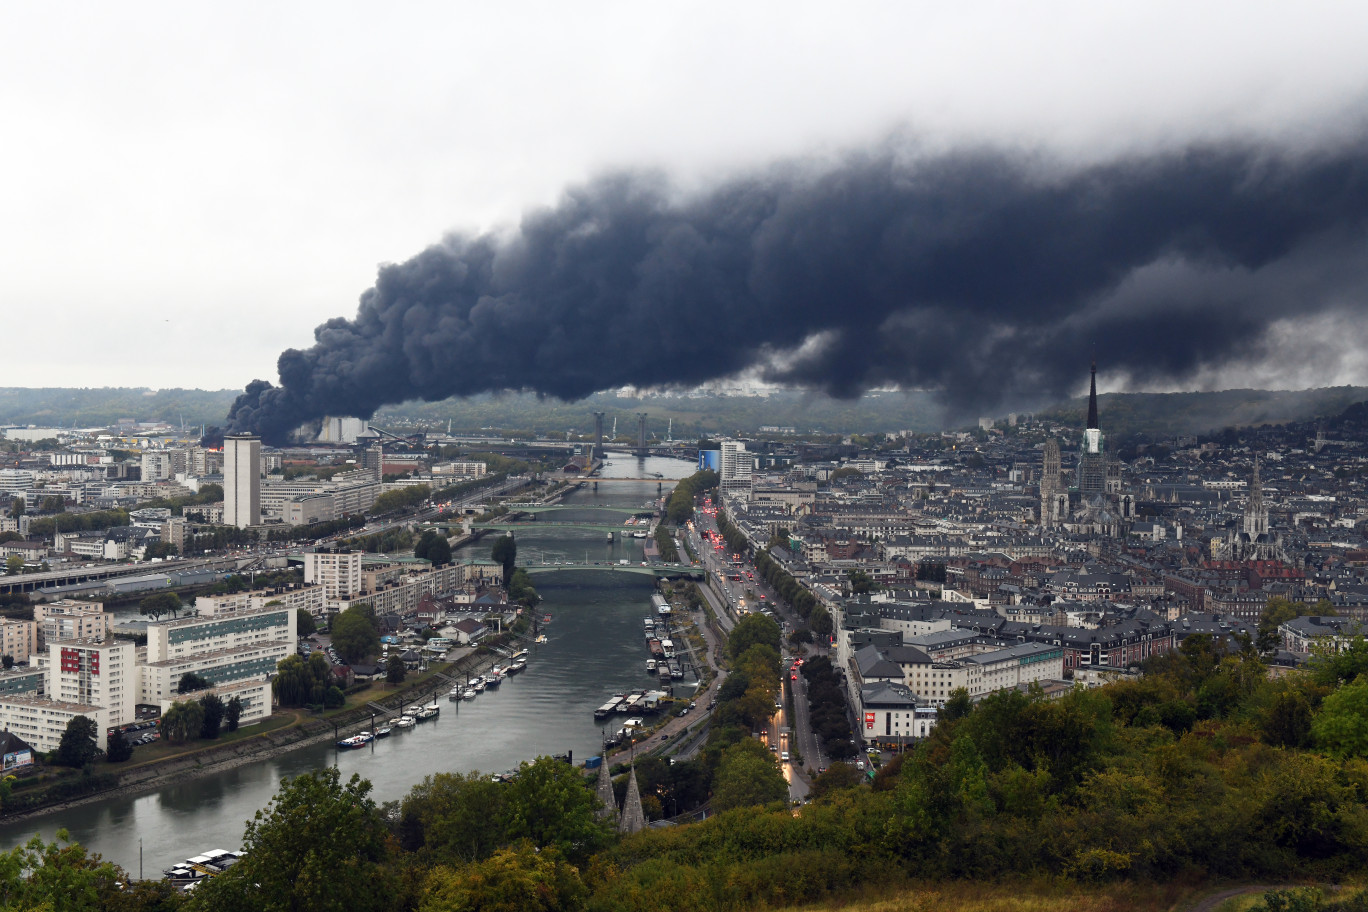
x: 598, y: 436
x: 242, y: 480
x: 641, y: 434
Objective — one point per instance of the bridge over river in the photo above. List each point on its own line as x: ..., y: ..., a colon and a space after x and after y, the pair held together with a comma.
x: 640, y: 569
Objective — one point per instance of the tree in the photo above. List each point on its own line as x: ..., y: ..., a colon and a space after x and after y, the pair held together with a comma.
x: 746, y: 776
x: 517, y: 879
x: 454, y: 818
x: 78, y: 745
x: 1341, y: 727
x: 1288, y: 723
x: 354, y: 635
x: 395, y: 669
x: 550, y: 804
x: 838, y: 776
x: 213, y: 715
x: 17, y: 506
x: 320, y: 844
x: 305, y: 625
x: 160, y: 603
x: 119, y: 749
x: 183, y: 721
x: 232, y: 712
x: 59, y: 876
x: 14, y: 565
x: 505, y: 552
x: 750, y: 630
x: 440, y: 552
x: 420, y: 548
x: 191, y: 682
x: 160, y: 549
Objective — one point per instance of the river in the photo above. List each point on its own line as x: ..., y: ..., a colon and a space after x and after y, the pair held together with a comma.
x: 593, y: 649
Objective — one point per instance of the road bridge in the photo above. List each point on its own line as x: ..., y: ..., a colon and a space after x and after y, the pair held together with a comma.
x: 561, y: 508
x: 657, y: 570
x: 548, y: 526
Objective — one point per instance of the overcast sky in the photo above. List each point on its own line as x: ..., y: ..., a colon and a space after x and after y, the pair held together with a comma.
x: 188, y: 189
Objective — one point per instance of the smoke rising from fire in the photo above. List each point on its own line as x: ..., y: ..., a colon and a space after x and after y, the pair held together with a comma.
x: 987, y: 275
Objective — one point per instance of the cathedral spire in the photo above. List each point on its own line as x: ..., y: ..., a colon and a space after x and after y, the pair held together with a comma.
x: 1092, y: 400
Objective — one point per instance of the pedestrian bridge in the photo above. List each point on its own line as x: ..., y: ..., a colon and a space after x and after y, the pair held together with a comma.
x: 656, y: 570
x: 549, y: 527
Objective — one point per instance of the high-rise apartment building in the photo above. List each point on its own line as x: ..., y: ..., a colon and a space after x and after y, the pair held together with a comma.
x: 242, y: 480
x: 339, y: 573
x: 736, y: 467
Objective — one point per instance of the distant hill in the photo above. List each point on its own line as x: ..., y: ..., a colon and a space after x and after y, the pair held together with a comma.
x: 1158, y: 414
x: 100, y: 407
x: 1163, y: 414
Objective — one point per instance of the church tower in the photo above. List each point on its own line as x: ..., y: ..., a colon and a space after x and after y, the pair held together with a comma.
x: 1092, y: 456
x: 1256, y: 511
x: 1051, y: 486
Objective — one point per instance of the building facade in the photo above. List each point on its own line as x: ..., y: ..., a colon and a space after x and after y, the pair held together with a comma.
x: 242, y: 480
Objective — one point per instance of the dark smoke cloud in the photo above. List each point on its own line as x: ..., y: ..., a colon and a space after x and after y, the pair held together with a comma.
x: 988, y: 276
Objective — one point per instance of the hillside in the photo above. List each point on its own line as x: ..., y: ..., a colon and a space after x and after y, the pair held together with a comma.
x: 1158, y: 414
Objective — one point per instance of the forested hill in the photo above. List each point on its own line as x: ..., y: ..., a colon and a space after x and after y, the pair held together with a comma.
x: 705, y: 415
x: 100, y: 407
x: 1161, y: 414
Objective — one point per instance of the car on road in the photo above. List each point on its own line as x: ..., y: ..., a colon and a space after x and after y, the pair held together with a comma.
x: 783, y: 756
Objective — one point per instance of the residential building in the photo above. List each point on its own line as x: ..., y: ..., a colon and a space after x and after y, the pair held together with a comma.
x: 18, y: 639
x: 242, y: 480
x: 41, y: 721
x: 66, y: 619
x: 338, y: 572
x: 95, y: 673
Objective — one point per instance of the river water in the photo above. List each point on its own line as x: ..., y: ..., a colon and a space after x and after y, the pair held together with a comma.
x: 594, y: 648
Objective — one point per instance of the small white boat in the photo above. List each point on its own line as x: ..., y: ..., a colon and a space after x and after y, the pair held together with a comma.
x: 470, y: 694
x: 383, y: 732
x: 651, y: 666
x: 428, y: 712
x: 405, y: 722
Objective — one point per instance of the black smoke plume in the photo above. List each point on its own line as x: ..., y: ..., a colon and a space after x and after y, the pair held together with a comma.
x: 990, y: 277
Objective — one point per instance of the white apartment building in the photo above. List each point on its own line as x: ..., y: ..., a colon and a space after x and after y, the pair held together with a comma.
x: 402, y: 594
x: 41, y: 721
x: 987, y: 672
x: 18, y: 640
x: 225, y: 646
x: 92, y: 673
x: 15, y: 481
x: 310, y: 598
x: 254, y: 695
x: 736, y: 468
x: 66, y: 619
x: 339, y: 573
x: 460, y: 469
x: 156, y: 465
x: 242, y: 480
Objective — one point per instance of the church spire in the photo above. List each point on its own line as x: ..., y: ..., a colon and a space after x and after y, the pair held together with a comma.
x: 1092, y: 399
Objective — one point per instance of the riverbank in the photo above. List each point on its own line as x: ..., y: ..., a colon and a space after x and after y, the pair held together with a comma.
x: 303, y: 730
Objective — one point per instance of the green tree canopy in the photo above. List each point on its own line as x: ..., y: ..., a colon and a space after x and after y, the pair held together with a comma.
x: 78, y: 745
x: 160, y: 603
x: 750, y: 630
x: 747, y: 776
x: 183, y: 721
x: 191, y: 682
x: 320, y: 845
x: 214, y: 710
x: 57, y: 876
x: 505, y: 552
x: 550, y: 803
x: 1341, y: 727
x: 517, y: 879
x: 395, y: 670
x: 232, y: 713
x: 354, y: 634
x: 454, y: 818
x: 305, y: 625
